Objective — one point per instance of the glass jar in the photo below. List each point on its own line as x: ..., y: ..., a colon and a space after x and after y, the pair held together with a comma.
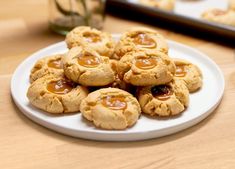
x: 64, y: 15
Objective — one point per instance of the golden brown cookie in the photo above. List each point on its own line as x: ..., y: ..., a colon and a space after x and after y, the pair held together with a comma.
x: 220, y: 16
x: 189, y: 73
x: 140, y: 38
x: 232, y: 5
x: 118, y: 83
x: 111, y: 108
x: 84, y: 36
x: 48, y: 65
x: 56, y: 94
x: 162, y: 4
x: 144, y: 68
x: 164, y: 100
x: 85, y: 66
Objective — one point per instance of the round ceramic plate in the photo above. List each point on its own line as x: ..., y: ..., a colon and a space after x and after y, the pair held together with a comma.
x: 202, y: 103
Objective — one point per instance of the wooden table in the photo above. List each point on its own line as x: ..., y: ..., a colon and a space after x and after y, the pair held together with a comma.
x: 26, y: 145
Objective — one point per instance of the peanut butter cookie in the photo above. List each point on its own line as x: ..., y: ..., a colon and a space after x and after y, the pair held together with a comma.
x: 84, y: 36
x: 232, y: 5
x: 189, y: 73
x: 164, y: 100
x: 161, y: 4
x: 56, y: 94
x: 48, y: 65
x: 144, y: 68
x: 85, y: 66
x: 220, y: 16
x: 111, y: 108
x: 118, y: 83
x: 140, y: 38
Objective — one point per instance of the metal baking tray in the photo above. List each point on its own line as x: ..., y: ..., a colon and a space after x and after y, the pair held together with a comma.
x: 186, y: 12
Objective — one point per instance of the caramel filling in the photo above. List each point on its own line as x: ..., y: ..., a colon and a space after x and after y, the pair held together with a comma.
x: 88, y: 60
x: 180, y: 71
x: 162, y: 92
x: 92, y: 37
x: 114, y: 102
x: 144, y: 40
x: 60, y: 87
x: 57, y: 64
x: 146, y: 63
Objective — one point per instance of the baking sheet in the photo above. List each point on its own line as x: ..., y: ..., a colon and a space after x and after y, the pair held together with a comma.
x: 195, y: 8
x: 186, y: 12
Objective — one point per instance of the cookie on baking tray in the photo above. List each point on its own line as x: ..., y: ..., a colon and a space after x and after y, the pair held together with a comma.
x: 111, y: 108
x: 189, y: 73
x: 220, y: 16
x: 232, y: 5
x: 101, y: 42
x: 85, y: 66
x: 143, y: 68
x: 161, y: 4
x: 164, y: 100
x: 140, y: 38
x: 56, y: 94
x: 47, y: 65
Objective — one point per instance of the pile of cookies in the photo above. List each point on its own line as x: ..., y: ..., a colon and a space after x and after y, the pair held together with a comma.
x: 112, y: 83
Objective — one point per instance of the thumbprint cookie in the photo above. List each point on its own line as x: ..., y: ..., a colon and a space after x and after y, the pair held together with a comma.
x: 47, y: 65
x: 111, y: 108
x: 101, y: 42
x: 56, y: 94
x: 220, y: 16
x: 189, y: 73
x: 140, y: 38
x: 144, y: 68
x: 164, y: 100
x: 161, y: 4
x: 85, y: 66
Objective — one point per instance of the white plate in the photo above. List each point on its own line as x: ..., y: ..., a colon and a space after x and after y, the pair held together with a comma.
x: 202, y: 103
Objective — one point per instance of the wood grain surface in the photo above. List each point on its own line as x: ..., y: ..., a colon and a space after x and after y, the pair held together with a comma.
x: 26, y: 145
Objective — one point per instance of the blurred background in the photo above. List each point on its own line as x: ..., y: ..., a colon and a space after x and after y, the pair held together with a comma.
x: 27, y: 25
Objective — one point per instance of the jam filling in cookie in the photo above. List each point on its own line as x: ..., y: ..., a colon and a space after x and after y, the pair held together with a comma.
x: 180, y: 71
x: 145, y: 63
x: 114, y: 102
x: 88, y: 60
x: 56, y: 64
x: 144, y: 40
x: 61, y: 86
x: 162, y: 92
x: 91, y: 37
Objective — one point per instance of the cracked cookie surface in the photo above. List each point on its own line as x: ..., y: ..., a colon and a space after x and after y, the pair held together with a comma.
x: 47, y: 65
x: 143, y: 68
x: 164, y: 100
x: 84, y: 36
x: 140, y: 38
x: 85, y: 66
x: 189, y: 73
x: 118, y: 83
x: 111, y: 108
x: 56, y: 94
